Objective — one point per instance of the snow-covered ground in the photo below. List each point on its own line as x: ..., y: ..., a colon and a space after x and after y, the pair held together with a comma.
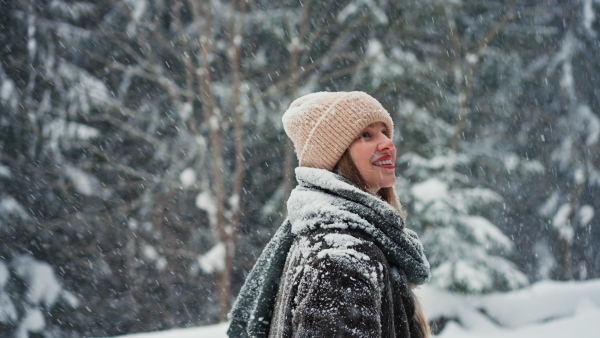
x: 546, y: 309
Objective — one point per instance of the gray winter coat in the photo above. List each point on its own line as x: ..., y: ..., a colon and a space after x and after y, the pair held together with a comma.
x: 348, y: 261
x: 338, y: 283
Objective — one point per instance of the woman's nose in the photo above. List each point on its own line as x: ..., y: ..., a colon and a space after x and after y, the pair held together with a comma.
x: 385, y: 143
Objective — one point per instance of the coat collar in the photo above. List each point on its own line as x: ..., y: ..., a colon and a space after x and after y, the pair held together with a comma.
x: 326, y: 186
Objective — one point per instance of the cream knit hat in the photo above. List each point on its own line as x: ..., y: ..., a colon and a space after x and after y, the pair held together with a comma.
x: 323, y: 125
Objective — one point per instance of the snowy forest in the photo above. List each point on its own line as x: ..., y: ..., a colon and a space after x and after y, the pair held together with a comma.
x: 144, y: 166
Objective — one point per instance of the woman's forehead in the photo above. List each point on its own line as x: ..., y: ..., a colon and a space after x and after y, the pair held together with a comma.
x: 375, y: 125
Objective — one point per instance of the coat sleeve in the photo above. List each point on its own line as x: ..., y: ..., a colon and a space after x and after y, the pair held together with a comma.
x: 338, y: 295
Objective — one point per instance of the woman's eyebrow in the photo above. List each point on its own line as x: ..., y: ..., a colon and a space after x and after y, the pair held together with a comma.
x: 376, y: 128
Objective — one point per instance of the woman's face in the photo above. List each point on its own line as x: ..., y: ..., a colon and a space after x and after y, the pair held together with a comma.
x: 374, y: 155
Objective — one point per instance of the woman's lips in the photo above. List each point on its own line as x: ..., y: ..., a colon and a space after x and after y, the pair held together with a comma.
x: 384, y: 162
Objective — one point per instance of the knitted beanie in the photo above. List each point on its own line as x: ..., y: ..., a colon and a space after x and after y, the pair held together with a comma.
x: 323, y: 125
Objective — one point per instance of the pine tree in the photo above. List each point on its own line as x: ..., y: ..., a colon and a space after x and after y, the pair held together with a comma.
x: 573, y: 116
x: 35, y: 297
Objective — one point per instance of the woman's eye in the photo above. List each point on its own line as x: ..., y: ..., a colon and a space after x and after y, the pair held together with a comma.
x: 364, y: 134
x: 386, y: 133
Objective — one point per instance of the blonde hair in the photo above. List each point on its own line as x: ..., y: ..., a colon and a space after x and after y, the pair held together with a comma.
x: 346, y: 168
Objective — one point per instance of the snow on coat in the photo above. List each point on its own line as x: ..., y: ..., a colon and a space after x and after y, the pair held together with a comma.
x: 338, y: 267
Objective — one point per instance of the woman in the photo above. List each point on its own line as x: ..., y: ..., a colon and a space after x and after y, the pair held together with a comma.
x: 342, y: 264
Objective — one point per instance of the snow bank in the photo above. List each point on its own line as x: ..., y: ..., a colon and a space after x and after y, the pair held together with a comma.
x: 543, y: 301
x: 582, y: 325
x: 546, y: 309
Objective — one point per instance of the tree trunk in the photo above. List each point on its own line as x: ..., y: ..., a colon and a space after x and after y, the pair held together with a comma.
x: 288, y: 169
x: 224, y: 280
x: 565, y: 252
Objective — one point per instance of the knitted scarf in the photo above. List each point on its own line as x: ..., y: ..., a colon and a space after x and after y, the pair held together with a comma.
x: 323, y: 200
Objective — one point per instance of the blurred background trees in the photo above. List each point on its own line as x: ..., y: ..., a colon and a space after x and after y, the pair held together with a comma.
x: 143, y: 165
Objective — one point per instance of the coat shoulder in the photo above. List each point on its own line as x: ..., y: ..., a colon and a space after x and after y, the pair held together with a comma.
x: 337, y: 284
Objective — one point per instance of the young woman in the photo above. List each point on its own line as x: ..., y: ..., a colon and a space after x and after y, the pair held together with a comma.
x: 343, y: 263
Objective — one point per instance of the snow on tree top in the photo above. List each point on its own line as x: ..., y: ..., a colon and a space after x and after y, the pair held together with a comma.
x: 10, y: 206
x: 486, y: 233
x: 4, y: 171
x: 83, y: 182
x: 586, y: 214
x: 430, y: 190
x: 42, y: 286
x: 214, y: 259
x: 3, y: 275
